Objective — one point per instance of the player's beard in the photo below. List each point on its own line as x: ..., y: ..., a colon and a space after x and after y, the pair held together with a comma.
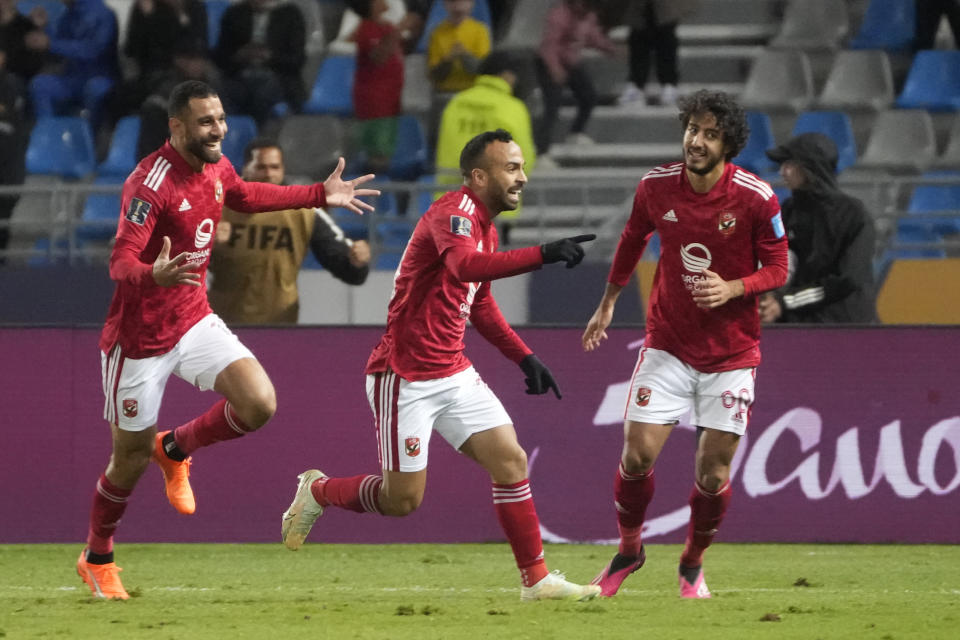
x: 197, y: 147
x: 504, y: 198
x: 710, y: 164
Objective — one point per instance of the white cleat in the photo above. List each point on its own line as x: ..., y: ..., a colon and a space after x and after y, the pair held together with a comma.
x: 303, y: 512
x: 555, y: 587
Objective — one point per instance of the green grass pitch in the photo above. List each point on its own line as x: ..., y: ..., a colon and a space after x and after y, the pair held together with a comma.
x: 232, y: 591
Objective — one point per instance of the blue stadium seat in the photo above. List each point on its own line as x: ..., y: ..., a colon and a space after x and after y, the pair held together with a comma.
x: 753, y: 157
x: 935, y: 199
x: 240, y: 131
x: 926, y: 243
x: 215, y: 11
x: 438, y: 13
x: 888, y: 25
x: 423, y: 199
x: 388, y: 260
x: 394, y: 234
x: 410, y: 157
x: 101, y: 211
x: 933, y: 82
x: 835, y: 125
x: 122, y: 155
x: 54, y: 8
x: 332, y: 91
x: 61, y: 146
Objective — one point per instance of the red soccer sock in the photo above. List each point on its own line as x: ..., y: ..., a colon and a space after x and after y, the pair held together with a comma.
x: 220, y: 422
x: 632, y: 493
x: 518, y: 518
x: 109, y: 503
x: 706, y: 513
x: 359, y: 493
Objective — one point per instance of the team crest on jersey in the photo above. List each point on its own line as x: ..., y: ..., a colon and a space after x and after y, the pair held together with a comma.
x: 218, y: 191
x: 643, y: 396
x: 137, y: 211
x: 461, y: 226
x: 412, y: 447
x: 130, y: 407
x: 728, y: 223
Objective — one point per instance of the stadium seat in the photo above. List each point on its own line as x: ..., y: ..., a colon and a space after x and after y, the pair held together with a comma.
x: 410, y: 156
x: 917, y: 241
x: 393, y: 235
x: 54, y: 8
x: 240, y: 131
x: 888, y: 25
x: 101, y: 211
x: 779, y: 81
x: 901, y: 140
x: 311, y: 145
x: 438, y: 13
x: 215, y: 11
x: 812, y: 25
x: 950, y: 159
x: 388, y: 260
x: 836, y: 126
x: 753, y: 157
x: 936, y: 207
x: 417, y: 90
x: 332, y: 91
x: 526, y: 26
x: 933, y: 82
x: 858, y: 80
x: 425, y: 197
x: 61, y: 146
x: 122, y: 155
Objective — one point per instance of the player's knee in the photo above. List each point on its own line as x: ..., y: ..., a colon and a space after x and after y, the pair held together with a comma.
x: 257, y: 409
x: 637, y: 462
x: 129, y: 464
x: 711, y: 481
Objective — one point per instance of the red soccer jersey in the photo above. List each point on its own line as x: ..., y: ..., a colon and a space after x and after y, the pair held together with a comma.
x: 729, y: 230
x: 164, y: 196
x: 377, y: 87
x: 429, y: 307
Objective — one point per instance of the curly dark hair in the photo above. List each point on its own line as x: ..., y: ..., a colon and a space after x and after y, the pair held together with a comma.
x: 472, y: 156
x: 730, y: 116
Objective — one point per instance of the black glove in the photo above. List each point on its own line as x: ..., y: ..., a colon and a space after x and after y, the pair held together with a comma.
x: 539, y: 379
x: 567, y: 250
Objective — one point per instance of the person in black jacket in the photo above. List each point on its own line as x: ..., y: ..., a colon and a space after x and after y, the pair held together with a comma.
x: 261, y: 51
x: 832, y: 239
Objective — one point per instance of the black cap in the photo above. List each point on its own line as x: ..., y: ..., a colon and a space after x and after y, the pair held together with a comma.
x: 806, y: 148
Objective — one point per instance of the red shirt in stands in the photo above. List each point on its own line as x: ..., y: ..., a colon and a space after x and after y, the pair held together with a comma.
x: 729, y: 230
x: 377, y: 87
x: 433, y: 296
x: 164, y: 196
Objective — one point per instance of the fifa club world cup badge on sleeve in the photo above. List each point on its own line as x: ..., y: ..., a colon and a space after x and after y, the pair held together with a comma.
x: 412, y: 447
x: 643, y: 396
x: 218, y: 191
x: 728, y: 223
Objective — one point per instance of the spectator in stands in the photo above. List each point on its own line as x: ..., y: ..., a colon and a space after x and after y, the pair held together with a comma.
x: 85, y: 41
x: 929, y: 14
x: 11, y: 145
x: 257, y: 256
x: 157, y: 28
x: 653, y: 28
x: 570, y: 26
x: 457, y: 47
x: 410, y: 24
x: 832, y: 239
x: 261, y: 51
x: 378, y: 83
x: 21, y: 61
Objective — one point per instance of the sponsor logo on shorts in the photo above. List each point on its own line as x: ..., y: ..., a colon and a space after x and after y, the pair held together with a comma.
x: 130, y: 407
x: 728, y: 223
x: 412, y: 447
x: 137, y: 211
x: 643, y: 396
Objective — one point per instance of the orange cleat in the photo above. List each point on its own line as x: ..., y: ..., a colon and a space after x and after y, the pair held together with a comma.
x: 103, y: 579
x: 176, y: 478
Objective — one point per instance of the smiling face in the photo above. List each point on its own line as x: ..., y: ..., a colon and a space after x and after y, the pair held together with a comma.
x: 266, y: 165
x: 500, y: 182
x: 703, y: 144
x: 199, y: 130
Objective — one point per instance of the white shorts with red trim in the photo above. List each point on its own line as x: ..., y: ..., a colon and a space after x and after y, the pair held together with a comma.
x: 406, y: 413
x: 664, y: 389
x: 134, y: 387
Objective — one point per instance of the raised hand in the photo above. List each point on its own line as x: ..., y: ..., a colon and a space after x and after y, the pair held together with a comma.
x: 344, y: 193
x: 169, y: 272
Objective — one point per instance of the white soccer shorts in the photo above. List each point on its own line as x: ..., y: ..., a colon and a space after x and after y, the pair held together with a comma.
x: 664, y: 389
x: 134, y: 387
x: 406, y: 413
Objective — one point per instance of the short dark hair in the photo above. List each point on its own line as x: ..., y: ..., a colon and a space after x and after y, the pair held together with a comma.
x: 181, y: 95
x: 261, y: 142
x: 498, y: 62
x: 472, y: 155
x: 361, y: 7
x: 730, y: 116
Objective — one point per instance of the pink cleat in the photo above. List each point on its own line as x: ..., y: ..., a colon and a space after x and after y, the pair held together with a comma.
x: 697, y: 588
x: 617, y: 571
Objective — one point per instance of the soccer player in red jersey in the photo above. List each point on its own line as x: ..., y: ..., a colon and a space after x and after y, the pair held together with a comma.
x: 419, y: 380
x: 159, y: 320
x: 717, y: 223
